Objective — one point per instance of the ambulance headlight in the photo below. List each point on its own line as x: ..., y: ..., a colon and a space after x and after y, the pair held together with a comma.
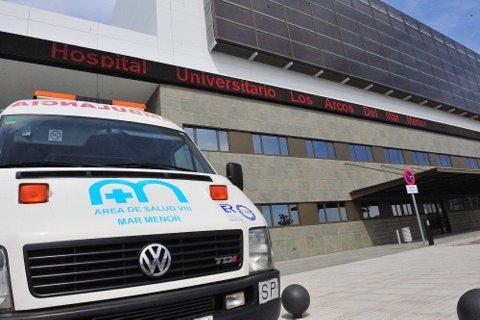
x: 261, y: 257
x: 5, y: 293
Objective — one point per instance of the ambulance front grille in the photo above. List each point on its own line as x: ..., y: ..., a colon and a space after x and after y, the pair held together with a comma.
x: 63, y: 268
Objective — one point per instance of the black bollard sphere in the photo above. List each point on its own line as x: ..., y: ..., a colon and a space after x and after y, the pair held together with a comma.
x: 468, y: 306
x: 296, y: 300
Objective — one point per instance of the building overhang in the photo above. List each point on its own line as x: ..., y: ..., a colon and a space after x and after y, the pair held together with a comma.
x: 435, y: 182
x: 36, y: 64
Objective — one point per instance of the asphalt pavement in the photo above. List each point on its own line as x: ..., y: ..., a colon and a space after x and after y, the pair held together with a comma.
x: 408, y: 281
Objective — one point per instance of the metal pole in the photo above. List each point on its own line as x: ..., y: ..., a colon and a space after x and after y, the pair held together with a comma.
x: 418, y: 220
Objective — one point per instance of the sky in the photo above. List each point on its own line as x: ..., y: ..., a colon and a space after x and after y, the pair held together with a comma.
x: 457, y: 19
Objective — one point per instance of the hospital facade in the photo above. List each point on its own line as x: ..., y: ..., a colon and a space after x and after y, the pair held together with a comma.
x: 325, y: 104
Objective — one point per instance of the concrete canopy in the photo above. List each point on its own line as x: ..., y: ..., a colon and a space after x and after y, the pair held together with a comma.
x: 433, y: 183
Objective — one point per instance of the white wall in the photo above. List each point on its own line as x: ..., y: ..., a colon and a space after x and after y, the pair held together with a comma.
x: 181, y: 40
x: 42, y: 24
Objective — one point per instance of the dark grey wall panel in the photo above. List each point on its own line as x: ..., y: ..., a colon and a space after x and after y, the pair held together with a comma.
x: 363, y: 39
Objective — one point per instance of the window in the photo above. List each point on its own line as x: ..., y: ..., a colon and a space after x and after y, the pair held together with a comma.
x: 209, y: 139
x: 475, y: 201
x: 394, y: 155
x: 456, y: 204
x: 429, y: 208
x: 360, y: 152
x: 444, y: 160
x: 320, y: 149
x: 332, y: 212
x: 280, y: 214
x: 421, y: 158
x: 472, y: 163
x: 370, y: 210
x: 271, y: 145
x: 401, y: 209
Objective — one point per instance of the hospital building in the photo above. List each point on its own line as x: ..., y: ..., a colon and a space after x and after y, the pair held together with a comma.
x: 347, y: 116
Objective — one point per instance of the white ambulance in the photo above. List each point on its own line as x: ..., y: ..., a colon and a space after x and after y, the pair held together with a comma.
x: 111, y: 212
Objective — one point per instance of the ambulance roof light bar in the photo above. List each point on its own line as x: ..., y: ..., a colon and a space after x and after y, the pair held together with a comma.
x: 40, y: 94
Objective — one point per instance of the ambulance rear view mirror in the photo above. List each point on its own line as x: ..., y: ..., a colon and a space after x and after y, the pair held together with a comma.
x: 235, y: 174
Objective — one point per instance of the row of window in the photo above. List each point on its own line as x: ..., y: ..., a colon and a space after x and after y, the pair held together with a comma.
x: 320, y: 149
x: 209, y: 139
x: 217, y: 140
x: 396, y: 156
x: 466, y: 203
x: 371, y: 210
x: 281, y: 215
x: 287, y: 214
x: 270, y: 145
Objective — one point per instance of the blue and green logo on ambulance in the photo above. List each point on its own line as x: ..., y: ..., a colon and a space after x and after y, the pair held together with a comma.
x: 127, y: 195
x: 121, y: 196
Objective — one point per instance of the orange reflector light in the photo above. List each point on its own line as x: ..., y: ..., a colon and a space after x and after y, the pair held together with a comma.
x: 40, y: 94
x: 129, y: 104
x: 33, y: 193
x: 219, y: 192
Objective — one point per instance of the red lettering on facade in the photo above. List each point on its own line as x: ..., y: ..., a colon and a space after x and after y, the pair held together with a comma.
x: 92, y: 58
x: 416, y: 122
x: 102, y: 60
x: 63, y: 51
x: 390, y: 116
x: 370, y: 112
x: 338, y: 106
x: 203, y: 79
x: 77, y: 56
x: 301, y: 98
x: 106, y: 62
x: 219, y: 82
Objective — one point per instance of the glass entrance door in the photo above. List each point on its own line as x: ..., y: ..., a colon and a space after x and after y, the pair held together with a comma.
x: 437, y: 217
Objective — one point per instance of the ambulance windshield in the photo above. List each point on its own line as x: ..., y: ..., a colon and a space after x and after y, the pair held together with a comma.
x: 66, y: 141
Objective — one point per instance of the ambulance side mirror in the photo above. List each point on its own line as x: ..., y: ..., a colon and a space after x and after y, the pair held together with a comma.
x: 235, y: 174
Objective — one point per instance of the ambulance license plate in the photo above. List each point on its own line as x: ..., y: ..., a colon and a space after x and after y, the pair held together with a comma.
x: 268, y: 290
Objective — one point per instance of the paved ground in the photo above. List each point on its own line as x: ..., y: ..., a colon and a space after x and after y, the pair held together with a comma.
x: 407, y: 282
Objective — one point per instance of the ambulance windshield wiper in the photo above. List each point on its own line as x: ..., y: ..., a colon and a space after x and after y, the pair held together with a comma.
x: 147, y: 165
x: 47, y: 164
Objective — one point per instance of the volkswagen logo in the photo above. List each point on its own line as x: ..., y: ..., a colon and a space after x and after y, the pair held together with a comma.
x: 155, y: 260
